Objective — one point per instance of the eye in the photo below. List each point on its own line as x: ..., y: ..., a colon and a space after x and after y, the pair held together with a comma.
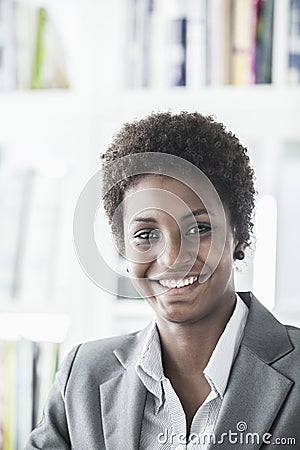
x: 145, y: 236
x: 201, y: 228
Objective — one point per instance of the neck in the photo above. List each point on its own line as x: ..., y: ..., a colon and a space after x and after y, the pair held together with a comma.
x: 190, y: 345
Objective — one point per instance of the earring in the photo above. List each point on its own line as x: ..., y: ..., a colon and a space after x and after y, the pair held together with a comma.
x: 239, y: 254
x: 127, y: 270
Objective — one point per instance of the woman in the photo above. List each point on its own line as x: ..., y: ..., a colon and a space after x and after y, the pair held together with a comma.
x: 214, y: 367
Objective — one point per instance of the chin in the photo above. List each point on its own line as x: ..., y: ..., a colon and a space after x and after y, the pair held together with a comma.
x: 176, y: 312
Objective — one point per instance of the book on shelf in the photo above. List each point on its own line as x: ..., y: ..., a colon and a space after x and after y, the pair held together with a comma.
x: 25, y: 26
x: 293, y: 76
x: 8, y: 372
x: 128, y: 46
x: 39, y: 51
x: 8, y: 74
x: 136, y: 48
x: 30, y: 236
x: 32, y: 54
x: 196, y: 46
x: 176, y: 44
x: 264, y: 41
x: 48, y: 68
x: 243, y: 42
x: 218, y: 41
x: 24, y: 389
x: 13, y: 195
x: 27, y: 372
x: 206, y: 42
x: 46, y: 362
x: 40, y: 246
x: 157, y: 45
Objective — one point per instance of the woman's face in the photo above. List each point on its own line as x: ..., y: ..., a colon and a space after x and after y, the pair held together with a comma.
x: 179, y: 256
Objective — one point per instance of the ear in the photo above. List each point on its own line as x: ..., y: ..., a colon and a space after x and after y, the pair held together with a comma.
x: 239, y: 246
x: 239, y: 251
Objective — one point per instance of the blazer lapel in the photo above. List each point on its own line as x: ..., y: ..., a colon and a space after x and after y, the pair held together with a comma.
x: 256, y: 390
x: 252, y: 400
x: 253, y: 397
x: 123, y: 398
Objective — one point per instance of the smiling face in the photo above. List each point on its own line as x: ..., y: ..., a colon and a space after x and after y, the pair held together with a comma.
x: 179, y: 250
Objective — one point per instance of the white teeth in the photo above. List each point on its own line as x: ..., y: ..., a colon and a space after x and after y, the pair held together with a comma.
x: 178, y: 283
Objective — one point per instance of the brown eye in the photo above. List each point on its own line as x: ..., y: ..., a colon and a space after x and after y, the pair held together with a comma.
x: 199, y: 229
x: 147, y: 235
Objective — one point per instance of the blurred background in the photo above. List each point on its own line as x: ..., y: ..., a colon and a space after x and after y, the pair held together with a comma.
x: 71, y: 72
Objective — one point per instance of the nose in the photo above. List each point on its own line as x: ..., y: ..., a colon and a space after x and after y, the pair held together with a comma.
x: 174, y: 253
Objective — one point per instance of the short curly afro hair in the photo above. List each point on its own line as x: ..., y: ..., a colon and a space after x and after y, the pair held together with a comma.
x: 198, y: 139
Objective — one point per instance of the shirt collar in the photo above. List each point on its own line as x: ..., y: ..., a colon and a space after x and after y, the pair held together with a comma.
x: 149, y: 365
x: 150, y: 358
x: 219, y: 365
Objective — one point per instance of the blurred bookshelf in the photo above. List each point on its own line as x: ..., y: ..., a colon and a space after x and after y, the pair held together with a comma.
x: 32, y: 52
x: 216, y: 42
x: 114, y: 62
x: 248, y: 77
x: 27, y: 372
x: 239, y: 61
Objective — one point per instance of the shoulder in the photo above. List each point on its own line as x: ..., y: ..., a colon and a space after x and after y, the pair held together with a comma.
x: 97, y: 361
x: 294, y: 335
x: 102, y: 350
x: 265, y: 335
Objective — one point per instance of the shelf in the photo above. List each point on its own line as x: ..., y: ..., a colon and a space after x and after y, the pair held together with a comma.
x: 38, y: 125
x: 34, y: 326
x: 221, y: 95
x: 74, y: 125
x: 263, y: 105
x: 256, y: 110
x: 34, y: 102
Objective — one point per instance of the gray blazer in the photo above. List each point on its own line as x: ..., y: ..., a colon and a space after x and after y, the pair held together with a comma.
x: 97, y: 400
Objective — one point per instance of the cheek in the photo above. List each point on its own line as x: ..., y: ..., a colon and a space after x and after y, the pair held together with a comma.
x: 208, y: 253
x: 139, y: 281
x: 203, y: 247
x: 137, y: 270
x: 136, y: 262
x: 218, y: 258
x: 225, y: 265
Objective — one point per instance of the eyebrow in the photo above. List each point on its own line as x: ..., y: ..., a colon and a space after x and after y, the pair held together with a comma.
x: 197, y: 212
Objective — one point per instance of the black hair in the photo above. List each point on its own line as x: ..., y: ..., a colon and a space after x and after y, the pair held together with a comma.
x: 198, y: 139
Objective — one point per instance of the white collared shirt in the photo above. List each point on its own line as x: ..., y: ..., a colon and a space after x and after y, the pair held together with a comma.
x: 164, y: 420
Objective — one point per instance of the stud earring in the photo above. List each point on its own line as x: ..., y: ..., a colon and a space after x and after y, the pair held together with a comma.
x: 239, y: 254
x: 127, y: 270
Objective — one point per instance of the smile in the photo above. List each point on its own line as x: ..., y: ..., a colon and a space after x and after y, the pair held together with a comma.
x: 178, y: 283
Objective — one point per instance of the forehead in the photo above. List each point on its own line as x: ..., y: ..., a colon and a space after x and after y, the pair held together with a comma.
x: 157, y: 183
x: 164, y: 194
